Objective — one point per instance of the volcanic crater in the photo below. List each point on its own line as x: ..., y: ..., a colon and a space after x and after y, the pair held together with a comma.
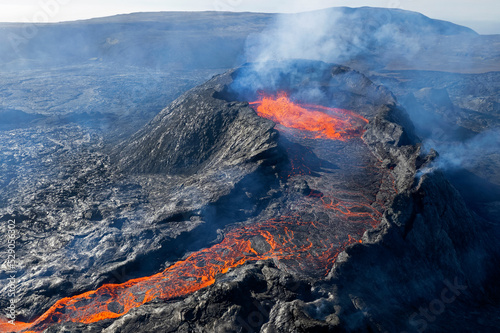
x: 292, y: 162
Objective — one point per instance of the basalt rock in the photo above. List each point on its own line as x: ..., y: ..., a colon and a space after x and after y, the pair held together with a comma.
x: 201, y: 164
x: 197, y: 133
x: 211, y: 143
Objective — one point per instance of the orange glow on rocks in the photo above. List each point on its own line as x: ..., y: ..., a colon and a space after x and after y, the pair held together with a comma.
x: 316, y: 122
x: 297, y: 242
x: 197, y: 271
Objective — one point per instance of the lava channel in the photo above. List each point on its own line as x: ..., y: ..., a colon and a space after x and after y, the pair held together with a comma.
x: 197, y: 271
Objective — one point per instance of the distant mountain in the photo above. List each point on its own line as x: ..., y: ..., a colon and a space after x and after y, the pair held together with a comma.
x: 174, y: 40
x: 368, y: 38
x: 412, y: 22
x: 376, y: 38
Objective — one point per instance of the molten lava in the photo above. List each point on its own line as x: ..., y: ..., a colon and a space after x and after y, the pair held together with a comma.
x: 317, y: 122
x: 197, y: 271
x: 299, y: 241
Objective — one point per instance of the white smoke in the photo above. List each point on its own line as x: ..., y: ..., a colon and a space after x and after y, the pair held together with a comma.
x: 296, y: 36
x: 340, y: 35
x: 467, y: 154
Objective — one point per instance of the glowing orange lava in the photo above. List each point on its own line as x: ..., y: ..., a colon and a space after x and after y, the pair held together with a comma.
x: 11, y: 326
x: 296, y: 242
x: 197, y: 271
x: 318, y: 122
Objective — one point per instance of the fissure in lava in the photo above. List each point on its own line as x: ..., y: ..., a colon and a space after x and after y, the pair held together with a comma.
x: 299, y: 241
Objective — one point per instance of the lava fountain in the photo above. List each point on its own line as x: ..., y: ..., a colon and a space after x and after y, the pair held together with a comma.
x: 296, y: 240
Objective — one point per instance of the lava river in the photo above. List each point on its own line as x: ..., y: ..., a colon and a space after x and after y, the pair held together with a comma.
x: 347, y: 192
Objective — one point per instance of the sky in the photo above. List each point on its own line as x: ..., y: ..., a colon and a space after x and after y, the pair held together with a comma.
x: 480, y: 15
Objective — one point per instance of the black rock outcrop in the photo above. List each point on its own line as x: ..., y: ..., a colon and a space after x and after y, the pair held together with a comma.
x: 197, y: 133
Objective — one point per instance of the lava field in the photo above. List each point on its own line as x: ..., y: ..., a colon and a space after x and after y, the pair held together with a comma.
x: 175, y: 191
x: 343, y: 194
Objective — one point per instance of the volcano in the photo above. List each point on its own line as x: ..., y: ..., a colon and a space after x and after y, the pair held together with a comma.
x: 295, y: 178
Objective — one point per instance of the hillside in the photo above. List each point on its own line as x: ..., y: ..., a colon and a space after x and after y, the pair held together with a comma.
x: 201, y: 40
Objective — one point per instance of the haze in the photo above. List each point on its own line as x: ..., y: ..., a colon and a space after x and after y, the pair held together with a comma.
x: 481, y: 15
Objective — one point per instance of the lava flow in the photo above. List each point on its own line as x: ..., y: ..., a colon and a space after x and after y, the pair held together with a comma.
x: 318, y: 122
x: 197, y: 271
x: 317, y: 228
